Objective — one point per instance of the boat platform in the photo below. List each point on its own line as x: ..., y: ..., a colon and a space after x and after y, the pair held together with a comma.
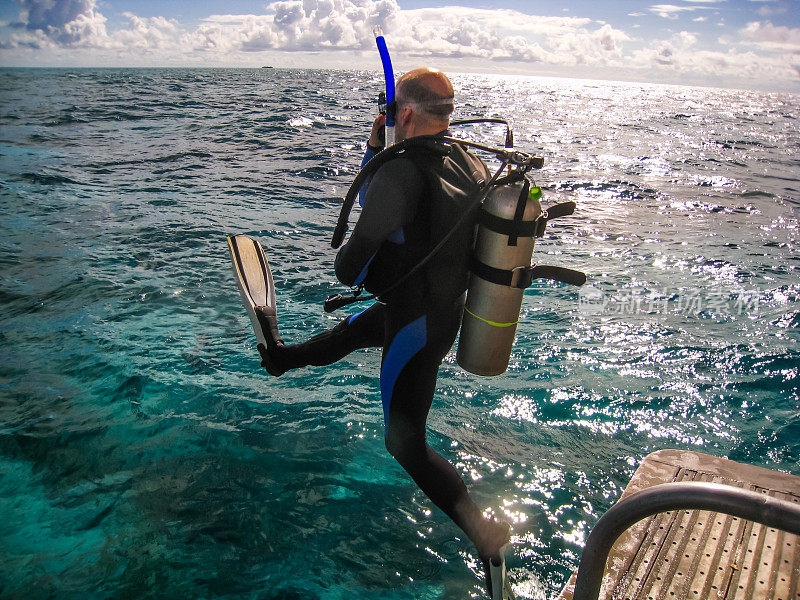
x: 669, y: 550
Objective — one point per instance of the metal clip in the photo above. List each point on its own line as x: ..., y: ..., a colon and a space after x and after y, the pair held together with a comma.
x: 521, y: 277
x: 541, y: 224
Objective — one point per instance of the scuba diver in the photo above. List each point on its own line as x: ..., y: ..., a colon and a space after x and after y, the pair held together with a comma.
x: 409, y: 204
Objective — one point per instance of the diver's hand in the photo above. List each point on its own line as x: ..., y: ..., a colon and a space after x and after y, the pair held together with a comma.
x: 377, y: 137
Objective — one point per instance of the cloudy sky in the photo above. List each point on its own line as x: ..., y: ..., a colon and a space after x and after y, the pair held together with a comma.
x: 731, y: 43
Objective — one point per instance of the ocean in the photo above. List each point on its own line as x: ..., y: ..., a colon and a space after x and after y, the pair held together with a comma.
x: 145, y: 454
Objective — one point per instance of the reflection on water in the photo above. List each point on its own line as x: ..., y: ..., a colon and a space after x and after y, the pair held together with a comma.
x: 143, y: 452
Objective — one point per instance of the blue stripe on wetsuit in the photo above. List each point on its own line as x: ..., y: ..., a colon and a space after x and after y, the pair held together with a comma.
x: 397, y: 236
x: 406, y: 343
x: 352, y: 318
x: 363, y: 275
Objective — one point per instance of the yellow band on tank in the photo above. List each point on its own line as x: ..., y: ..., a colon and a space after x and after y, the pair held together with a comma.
x: 492, y: 323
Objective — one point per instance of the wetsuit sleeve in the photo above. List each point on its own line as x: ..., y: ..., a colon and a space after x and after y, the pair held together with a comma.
x: 390, y: 204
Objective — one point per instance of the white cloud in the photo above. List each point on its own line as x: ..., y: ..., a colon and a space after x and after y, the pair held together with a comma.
x: 504, y: 35
x: 339, y: 32
x: 150, y: 34
x: 65, y: 23
x: 776, y: 7
x: 687, y: 39
x: 295, y: 25
x: 772, y: 37
x: 77, y: 24
x: 453, y: 32
x: 680, y: 54
x: 50, y: 15
x: 671, y: 11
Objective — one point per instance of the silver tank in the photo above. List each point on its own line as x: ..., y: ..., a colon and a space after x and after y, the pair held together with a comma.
x: 492, y: 310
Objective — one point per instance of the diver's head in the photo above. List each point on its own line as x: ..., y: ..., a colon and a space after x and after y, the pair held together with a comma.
x: 423, y: 103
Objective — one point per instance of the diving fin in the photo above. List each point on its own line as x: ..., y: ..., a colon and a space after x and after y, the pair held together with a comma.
x: 254, y: 280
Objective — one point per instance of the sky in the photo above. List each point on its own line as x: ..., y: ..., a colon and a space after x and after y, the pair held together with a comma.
x: 749, y: 44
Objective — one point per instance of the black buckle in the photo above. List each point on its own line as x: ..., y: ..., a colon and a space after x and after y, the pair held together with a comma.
x: 337, y: 301
x: 521, y: 277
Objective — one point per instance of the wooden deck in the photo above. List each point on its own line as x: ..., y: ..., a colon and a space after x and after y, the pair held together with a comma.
x: 698, y: 554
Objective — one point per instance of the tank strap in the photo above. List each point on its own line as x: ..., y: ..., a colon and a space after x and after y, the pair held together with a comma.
x: 522, y: 277
x: 511, y: 227
x: 522, y: 202
x: 516, y: 228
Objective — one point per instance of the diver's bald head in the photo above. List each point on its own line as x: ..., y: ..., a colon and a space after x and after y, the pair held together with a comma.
x: 430, y: 90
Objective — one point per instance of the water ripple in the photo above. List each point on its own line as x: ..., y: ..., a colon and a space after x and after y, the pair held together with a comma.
x: 141, y: 447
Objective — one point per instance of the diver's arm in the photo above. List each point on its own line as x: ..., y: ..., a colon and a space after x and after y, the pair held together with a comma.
x: 374, y: 145
x: 368, y: 154
x: 390, y: 203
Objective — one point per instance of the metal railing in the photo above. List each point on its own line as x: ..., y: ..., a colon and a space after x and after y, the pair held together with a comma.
x: 738, y: 502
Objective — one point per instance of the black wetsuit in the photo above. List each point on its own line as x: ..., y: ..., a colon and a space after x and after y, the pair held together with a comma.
x: 411, y: 203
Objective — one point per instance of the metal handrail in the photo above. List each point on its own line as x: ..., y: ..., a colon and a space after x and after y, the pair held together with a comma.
x: 738, y: 502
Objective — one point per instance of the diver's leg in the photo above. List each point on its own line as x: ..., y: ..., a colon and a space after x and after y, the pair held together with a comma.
x: 408, y: 381
x: 361, y: 330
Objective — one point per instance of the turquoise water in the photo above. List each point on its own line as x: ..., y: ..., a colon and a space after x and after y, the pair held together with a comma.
x: 144, y: 454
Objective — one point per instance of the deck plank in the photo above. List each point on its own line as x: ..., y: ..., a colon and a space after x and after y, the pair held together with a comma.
x: 695, y: 554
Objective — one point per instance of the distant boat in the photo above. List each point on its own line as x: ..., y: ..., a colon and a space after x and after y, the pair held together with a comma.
x: 268, y: 67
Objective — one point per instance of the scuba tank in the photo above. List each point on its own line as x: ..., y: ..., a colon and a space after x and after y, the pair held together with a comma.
x: 509, y: 220
x: 510, y: 217
x: 500, y: 273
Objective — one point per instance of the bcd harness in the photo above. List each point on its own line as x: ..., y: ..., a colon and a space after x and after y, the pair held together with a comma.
x: 519, y: 164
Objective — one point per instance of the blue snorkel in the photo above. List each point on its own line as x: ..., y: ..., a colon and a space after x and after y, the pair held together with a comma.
x: 388, y: 75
